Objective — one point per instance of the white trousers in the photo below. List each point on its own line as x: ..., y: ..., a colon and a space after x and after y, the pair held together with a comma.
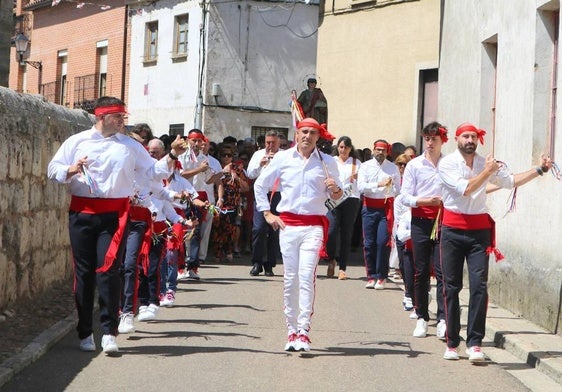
x: 300, y: 246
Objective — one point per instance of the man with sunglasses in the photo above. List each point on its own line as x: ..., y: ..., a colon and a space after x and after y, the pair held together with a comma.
x: 100, y: 165
x: 421, y: 191
x: 306, y: 178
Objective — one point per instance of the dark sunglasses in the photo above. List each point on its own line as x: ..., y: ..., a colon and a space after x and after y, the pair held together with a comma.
x: 227, y: 155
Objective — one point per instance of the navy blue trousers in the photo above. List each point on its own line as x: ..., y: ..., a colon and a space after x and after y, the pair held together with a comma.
x: 375, y: 242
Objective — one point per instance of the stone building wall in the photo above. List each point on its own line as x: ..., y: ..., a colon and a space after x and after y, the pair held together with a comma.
x: 34, y: 244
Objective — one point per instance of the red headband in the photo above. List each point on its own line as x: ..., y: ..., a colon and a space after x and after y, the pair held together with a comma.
x: 467, y: 127
x: 312, y: 123
x: 443, y: 134
x: 384, y: 145
x: 196, y: 135
x: 100, y: 111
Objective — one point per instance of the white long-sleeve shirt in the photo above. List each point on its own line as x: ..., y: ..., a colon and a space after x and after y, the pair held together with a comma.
x: 113, y: 163
x: 455, y: 174
x: 371, y: 173
x: 303, y: 190
x: 345, y: 170
x: 421, y: 179
x: 191, y: 161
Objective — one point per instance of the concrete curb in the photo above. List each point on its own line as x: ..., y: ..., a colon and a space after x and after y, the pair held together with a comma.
x: 34, y: 350
x: 537, y: 347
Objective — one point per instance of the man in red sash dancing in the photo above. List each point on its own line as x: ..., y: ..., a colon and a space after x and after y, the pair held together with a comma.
x: 468, y: 232
x: 100, y: 165
x: 306, y: 178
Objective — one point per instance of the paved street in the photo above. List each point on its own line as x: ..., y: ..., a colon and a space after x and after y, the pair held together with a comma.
x: 226, y: 333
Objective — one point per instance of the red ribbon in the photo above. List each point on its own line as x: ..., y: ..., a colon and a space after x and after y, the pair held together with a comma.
x: 467, y: 127
x: 312, y: 123
x: 109, y: 110
x: 384, y: 145
x: 443, y: 134
x: 196, y: 135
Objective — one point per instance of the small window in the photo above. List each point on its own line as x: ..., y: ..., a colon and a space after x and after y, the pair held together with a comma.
x: 180, y: 35
x: 176, y: 129
x: 151, y: 42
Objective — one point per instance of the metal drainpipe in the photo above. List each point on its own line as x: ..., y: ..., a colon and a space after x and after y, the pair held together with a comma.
x: 124, y: 62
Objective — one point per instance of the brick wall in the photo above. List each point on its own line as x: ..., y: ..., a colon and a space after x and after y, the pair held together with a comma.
x: 76, y: 30
x: 34, y: 245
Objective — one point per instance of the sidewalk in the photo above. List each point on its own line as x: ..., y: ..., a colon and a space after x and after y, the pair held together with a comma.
x: 511, y: 341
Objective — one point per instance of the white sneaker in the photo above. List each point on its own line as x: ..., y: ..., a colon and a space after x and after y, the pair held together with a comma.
x: 126, y: 324
x: 408, y: 305
x: 291, y: 342
x: 88, y: 344
x: 379, y: 285
x: 421, y: 329
x: 302, y: 343
x: 192, y: 274
x: 413, y: 315
x: 370, y: 284
x: 149, y: 313
x: 108, y: 344
x: 451, y: 354
x: 168, y: 299
x: 441, y: 330
x: 183, y: 275
x: 475, y: 354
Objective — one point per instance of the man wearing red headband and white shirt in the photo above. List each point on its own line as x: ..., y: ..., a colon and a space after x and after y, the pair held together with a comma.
x: 100, y: 166
x: 306, y: 178
x: 421, y: 191
x: 197, y: 170
x: 468, y: 232
x: 379, y: 181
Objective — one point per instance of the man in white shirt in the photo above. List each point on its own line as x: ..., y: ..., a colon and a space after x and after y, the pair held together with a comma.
x: 421, y: 191
x: 468, y: 232
x: 265, y: 240
x: 100, y: 166
x: 379, y: 181
x: 306, y: 177
x: 212, y: 176
x: 197, y: 170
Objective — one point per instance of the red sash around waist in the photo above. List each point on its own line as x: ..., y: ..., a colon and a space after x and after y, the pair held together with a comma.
x: 180, y: 211
x: 159, y: 227
x: 291, y: 219
x: 94, y: 206
x: 388, y: 206
x: 427, y: 212
x: 143, y: 214
x: 474, y: 222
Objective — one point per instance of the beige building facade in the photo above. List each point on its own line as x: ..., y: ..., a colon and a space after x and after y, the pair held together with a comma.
x: 377, y: 65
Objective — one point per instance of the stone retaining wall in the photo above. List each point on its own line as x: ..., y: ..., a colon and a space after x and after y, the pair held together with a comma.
x: 34, y: 244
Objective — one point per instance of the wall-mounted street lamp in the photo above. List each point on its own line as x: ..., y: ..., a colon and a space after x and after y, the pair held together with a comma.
x: 22, y: 42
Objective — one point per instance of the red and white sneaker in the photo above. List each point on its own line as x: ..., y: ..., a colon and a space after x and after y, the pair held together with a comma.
x: 475, y: 354
x: 291, y: 342
x: 303, y: 343
x: 168, y: 299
